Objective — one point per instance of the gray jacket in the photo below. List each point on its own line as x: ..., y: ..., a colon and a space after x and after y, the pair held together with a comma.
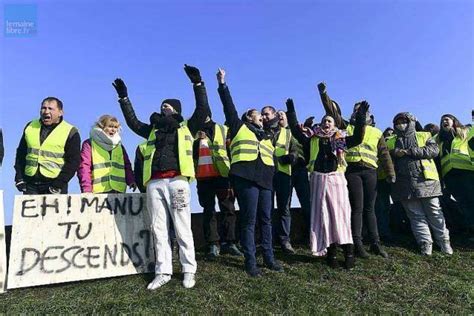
x: 410, y: 181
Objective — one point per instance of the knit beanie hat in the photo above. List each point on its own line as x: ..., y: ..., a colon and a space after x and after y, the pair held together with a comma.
x: 175, y: 104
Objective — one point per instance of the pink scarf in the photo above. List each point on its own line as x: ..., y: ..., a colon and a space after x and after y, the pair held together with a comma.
x: 337, y: 139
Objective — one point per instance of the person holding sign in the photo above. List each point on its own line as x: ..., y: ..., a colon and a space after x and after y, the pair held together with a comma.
x: 48, y: 154
x: 251, y: 171
x: 168, y: 168
x: 105, y: 167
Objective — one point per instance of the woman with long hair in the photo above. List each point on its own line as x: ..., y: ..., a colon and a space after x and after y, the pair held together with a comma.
x: 330, y: 205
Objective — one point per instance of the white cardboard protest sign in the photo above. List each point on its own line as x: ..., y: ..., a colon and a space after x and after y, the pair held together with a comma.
x: 63, y: 238
x: 3, y: 250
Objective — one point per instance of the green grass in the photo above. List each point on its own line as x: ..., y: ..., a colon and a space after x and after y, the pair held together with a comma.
x: 405, y: 283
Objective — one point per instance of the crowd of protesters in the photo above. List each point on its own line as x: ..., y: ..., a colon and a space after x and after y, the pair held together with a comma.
x: 347, y: 174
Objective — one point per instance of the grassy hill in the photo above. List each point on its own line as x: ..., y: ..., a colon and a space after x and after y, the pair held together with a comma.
x: 407, y: 282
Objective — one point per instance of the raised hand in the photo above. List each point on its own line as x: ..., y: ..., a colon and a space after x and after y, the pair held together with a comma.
x: 193, y: 74
x: 290, y: 105
x: 220, y: 75
x: 322, y: 87
x: 120, y: 87
x: 309, y: 122
x: 363, y: 107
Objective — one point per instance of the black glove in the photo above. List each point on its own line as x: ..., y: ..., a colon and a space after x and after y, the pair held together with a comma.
x: 361, y: 114
x: 309, y: 122
x: 121, y: 88
x: 21, y: 186
x: 285, y: 159
x: 155, y: 118
x: 322, y: 87
x: 54, y: 190
x: 193, y: 74
x: 290, y: 106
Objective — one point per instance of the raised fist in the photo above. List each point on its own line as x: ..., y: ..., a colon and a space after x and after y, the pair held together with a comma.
x: 193, y: 74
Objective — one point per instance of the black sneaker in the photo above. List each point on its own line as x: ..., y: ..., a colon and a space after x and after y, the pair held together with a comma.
x: 360, y: 251
x: 254, y: 272
x: 231, y: 249
x: 275, y: 266
x: 377, y: 249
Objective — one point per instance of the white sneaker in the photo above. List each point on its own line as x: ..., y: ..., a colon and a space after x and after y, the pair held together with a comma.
x: 426, y: 248
x: 159, y: 281
x: 446, y: 247
x: 188, y: 280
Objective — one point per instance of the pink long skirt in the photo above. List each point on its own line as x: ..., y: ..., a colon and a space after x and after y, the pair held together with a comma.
x: 330, y: 211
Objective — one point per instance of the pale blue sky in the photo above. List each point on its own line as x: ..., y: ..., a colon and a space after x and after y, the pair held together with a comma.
x: 402, y: 55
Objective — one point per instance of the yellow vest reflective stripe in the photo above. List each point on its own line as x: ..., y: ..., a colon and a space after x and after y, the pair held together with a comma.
x: 219, y: 150
x: 282, y: 147
x: 458, y: 158
x: 108, y: 169
x: 246, y: 147
x: 367, y: 150
x: 48, y: 156
x: 313, y: 155
x: 185, y: 153
x: 429, y: 167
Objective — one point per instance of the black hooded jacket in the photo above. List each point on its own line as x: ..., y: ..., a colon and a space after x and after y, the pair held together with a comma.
x: 166, y: 154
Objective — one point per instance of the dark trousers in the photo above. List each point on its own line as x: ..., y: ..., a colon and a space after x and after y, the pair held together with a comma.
x: 362, y: 185
x: 41, y: 188
x: 282, y: 216
x: 300, y: 181
x: 382, y: 208
x: 207, y: 191
x: 461, y: 186
x: 254, y: 201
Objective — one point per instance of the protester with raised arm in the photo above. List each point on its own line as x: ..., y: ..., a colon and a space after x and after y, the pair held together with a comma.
x: 251, y: 171
x: 168, y: 168
x: 361, y: 174
x: 212, y: 174
x: 285, y: 155
x: 48, y: 154
x: 455, y: 142
x: 330, y: 206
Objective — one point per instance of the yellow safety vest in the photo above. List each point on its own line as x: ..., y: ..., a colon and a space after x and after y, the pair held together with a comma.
x: 185, y: 153
x: 48, y: 156
x: 282, y: 147
x: 246, y: 147
x: 142, y: 149
x: 458, y: 158
x: 108, y: 169
x: 219, y: 150
x: 470, y: 135
x: 367, y: 151
x: 429, y: 167
x: 313, y: 155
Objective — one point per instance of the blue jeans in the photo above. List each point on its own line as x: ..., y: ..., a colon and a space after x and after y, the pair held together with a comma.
x: 254, y: 201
